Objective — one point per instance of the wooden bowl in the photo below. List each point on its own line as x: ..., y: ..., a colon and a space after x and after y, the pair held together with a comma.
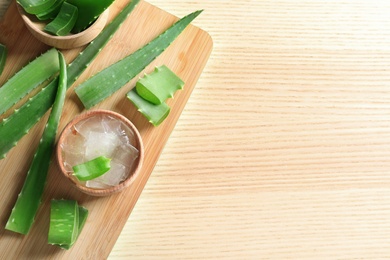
x: 36, y: 27
x: 137, y: 165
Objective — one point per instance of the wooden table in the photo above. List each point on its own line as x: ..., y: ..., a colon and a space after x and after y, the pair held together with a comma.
x: 282, y: 151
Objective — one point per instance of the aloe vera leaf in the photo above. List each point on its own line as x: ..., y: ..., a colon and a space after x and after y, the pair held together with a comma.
x: 159, y: 85
x: 106, y: 82
x: 35, y: 6
x: 83, y: 215
x: 64, y: 21
x: 29, y: 199
x: 13, y: 128
x: 3, y: 57
x: 28, y: 78
x: 92, y: 169
x: 154, y: 113
x: 51, y: 12
x: 64, y: 222
x: 89, y: 10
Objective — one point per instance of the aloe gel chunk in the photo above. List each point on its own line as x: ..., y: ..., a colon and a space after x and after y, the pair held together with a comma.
x: 159, y: 85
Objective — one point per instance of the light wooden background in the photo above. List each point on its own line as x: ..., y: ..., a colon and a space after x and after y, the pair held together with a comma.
x: 283, y: 150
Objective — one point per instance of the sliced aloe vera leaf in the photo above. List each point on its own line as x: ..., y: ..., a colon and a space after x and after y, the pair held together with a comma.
x: 64, y: 21
x: 13, y: 128
x: 106, y: 82
x: 29, y: 199
x: 159, y: 85
x: 52, y: 12
x: 154, y: 113
x: 35, y: 6
x: 83, y: 215
x: 28, y: 78
x: 89, y: 11
x: 64, y: 222
x: 3, y: 57
x: 92, y: 169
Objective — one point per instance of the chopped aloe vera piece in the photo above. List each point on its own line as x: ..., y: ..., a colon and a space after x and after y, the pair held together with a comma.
x: 3, y: 57
x: 89, y: 11
x: 154, y: 113
x: 106, y: 82
x: 14, y: 127
x: 52, y: 12
x: 159, y: 85
x: 29, y: 199
x: 64, y: 222
x: 35, y: 6
x: 64, y: 21
x: 83, y: 214
x: 28, y: 78
x: 92, y: 169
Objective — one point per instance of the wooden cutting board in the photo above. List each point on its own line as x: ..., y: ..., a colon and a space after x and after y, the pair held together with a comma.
x: 187, y: 57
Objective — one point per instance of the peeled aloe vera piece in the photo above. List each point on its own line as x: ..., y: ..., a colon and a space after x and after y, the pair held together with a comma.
x: 92, y: 169
x: 64, y: 21
x: 154, y: 113
x: 29, y: 199
x: 106, y: 82
x: 159, y: 85
x: 89, y: 11
x: 35, y: 6
x: 13, y: 128
x: 83, y: 215
x: 64, y: 222
x: 51, y: 12
x: 28, y: 78
x: 3, y: 57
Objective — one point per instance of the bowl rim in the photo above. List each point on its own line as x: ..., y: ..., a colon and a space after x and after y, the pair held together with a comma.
x: 113, y: 189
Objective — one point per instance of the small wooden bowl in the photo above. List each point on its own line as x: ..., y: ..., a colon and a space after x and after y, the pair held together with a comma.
x: 137, y: 165
x: 36, y: 26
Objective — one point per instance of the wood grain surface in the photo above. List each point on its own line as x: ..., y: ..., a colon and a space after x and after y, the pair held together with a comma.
x: 282, y: 151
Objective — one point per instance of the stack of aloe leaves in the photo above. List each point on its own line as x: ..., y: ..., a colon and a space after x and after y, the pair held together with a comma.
x: 50, y: 70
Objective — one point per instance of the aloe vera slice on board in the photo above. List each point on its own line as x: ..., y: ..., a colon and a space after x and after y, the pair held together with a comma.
x: 92, y: 169
x: 64, y: 222
x: 83, y: 215
x: 159, y: 85
x: 29, y: 199
x: 89, y: 11
x: 52, y: 12
x: 3, y: 57
x: 35, y: 6
x: 28, y: 78
x: 65, y: 20
x: 106, y: 82
x: 154, y: 113
x: 13, y: 128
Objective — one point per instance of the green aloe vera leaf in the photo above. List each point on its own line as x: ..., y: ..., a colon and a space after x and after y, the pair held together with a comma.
x: 13, y: 128
x: 92, y: 169
x: 159, y: 85
x: 106, y: 82
x: 35, y: 6
x: 89, y: 11
x: 154, y: 113
x: 64, y: 22
x: 29, y: 199
x: 52, y: 12
x: 64, y: 222
x: 3, y: 57
x: 28, y: 78
x: 83, y: 215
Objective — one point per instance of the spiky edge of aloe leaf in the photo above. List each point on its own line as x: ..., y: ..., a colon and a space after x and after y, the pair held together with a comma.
x: 35, y: 6
x: 28, y: 78
x: 106, y: 82
x: 3, y: 57
x: 13, y: 128
x: 29, y: 199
